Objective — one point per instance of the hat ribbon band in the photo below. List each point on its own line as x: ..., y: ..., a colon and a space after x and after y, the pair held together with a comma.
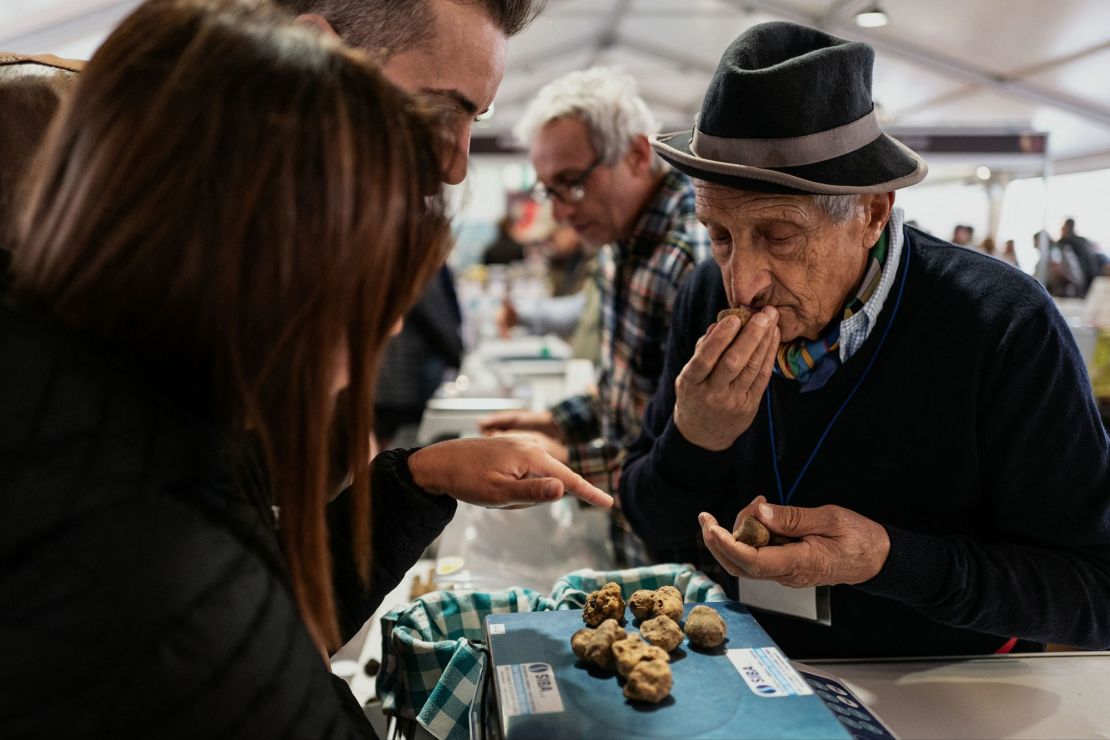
x: 790, y: 152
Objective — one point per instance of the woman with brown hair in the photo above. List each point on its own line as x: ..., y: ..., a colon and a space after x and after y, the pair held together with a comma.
x: 229, y: 216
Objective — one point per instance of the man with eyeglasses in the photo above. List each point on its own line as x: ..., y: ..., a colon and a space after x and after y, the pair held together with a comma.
x: 587, y: 134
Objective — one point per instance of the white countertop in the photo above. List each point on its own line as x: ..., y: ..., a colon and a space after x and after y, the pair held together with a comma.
x: 1028, y: 695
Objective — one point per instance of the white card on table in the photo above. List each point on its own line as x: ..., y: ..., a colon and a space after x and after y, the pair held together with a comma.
x: 810, y: 603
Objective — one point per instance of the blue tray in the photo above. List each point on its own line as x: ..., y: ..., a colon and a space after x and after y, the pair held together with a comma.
x: 743, y: 689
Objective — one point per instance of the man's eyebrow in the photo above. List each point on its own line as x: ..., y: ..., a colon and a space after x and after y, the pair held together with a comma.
x: 468, y: 105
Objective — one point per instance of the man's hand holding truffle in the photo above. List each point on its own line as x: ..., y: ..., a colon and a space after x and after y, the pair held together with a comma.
x: 719, y: 390
x: 835, y: 546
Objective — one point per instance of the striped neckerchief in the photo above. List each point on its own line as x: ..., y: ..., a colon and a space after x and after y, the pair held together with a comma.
x: 811, y: 362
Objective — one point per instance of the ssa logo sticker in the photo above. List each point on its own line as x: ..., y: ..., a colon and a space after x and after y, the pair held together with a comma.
x: 542, y: 691
x: 528, y: 688
x: 758, y: 682
x: 767, y: 672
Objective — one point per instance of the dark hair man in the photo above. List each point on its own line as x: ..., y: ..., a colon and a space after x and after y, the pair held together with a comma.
x: 453, y: 50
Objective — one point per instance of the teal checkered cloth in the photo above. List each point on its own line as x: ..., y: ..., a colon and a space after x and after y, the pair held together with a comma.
x: 571, y: 590
x: 432, y: 655
x: 433, y: 649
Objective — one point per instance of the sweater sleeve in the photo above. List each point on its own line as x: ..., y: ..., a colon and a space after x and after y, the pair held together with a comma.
x: 1039, y: 565
x: 406, y: 519
x: 666, y: 481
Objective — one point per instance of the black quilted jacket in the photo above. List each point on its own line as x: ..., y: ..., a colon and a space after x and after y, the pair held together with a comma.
x: 142, y: 590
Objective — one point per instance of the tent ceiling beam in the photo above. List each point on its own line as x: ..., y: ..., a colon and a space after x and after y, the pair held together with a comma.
x: 952, y: 67
x: 607, y: 38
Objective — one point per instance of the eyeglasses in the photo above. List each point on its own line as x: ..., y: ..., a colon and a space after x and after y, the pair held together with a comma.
x: 569, y: 191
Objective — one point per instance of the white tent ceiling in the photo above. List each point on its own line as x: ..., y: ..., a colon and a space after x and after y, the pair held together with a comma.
x: 994, y: 64
x: 1001, y: 64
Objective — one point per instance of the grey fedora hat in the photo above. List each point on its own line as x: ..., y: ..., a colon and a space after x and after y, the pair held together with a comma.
x: 789, y: 110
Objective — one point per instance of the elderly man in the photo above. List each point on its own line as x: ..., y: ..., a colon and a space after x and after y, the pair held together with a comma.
x: 587, y: 134
x: 899, y: 407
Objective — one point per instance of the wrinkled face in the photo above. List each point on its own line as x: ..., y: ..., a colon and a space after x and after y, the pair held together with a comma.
x: 561, y: 154
x: 461, y: 68
x: 784, y: 251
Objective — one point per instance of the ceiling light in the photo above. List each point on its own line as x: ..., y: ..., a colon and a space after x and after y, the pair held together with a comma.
x: 983, y: 173
x: 873, y: 17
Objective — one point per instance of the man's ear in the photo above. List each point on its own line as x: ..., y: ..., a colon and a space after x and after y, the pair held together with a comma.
x: 639, y: 155
x: 319, y: 21
x: 877, y: 209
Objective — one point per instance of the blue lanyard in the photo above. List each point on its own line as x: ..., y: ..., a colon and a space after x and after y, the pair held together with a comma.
x: 866, y: 371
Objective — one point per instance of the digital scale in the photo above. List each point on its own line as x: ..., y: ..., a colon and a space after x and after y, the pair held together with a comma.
x: 533, y: 686
x: 860, y: 721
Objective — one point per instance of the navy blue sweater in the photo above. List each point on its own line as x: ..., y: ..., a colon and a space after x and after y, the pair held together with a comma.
x: 974, y: 440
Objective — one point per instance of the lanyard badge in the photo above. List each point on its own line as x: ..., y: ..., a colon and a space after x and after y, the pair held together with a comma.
x: 812, y: 603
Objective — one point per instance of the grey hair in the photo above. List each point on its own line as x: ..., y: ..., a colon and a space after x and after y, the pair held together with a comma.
x: 837, y: 207
x: 604, y: 99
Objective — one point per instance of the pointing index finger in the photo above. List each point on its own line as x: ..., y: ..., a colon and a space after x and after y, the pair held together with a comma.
x: 573, y: 483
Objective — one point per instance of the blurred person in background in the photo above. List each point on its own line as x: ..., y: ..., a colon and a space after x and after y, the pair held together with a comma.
x: 1009, y: 253
x: 1060, y: 272
x: 587, y: 134
x: 427, y: 351
x: 1084, y: 254
x: 573, y: 310
x: 567, y: 260
x: 504, y: 249
x: 569, y: 266
x: 964, y: 236
x: 187, y: 303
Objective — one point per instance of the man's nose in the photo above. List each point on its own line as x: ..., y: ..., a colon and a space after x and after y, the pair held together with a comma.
x: 750, y: 282
x: 454, y: 168
x: 561, y: 210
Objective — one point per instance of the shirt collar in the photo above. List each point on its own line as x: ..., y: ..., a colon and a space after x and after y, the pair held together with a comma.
x: 659, y: 213
x: 855, y: 330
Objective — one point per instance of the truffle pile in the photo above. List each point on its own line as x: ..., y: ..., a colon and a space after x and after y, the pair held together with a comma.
x: 646, y: 669
x: 645, y: 666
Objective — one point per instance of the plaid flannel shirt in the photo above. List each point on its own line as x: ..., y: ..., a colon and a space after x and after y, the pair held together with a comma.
x: 638, y: 279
